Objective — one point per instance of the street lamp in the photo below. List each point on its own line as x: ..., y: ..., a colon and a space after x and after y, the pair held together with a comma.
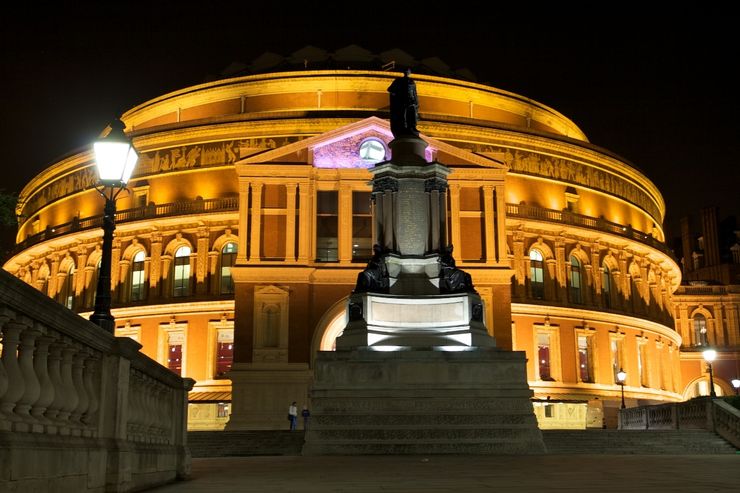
x: 115, y: 158
x: 736, y: 384
x: 621, y: 379
x: 709, y: 356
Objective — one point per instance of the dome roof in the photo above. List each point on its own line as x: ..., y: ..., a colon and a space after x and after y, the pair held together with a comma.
x: 352, y: 57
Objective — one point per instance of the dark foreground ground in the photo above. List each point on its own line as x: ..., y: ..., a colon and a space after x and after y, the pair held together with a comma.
x: 545, y: 473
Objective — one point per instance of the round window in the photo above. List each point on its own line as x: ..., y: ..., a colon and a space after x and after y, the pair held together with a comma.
x: 372, y: 150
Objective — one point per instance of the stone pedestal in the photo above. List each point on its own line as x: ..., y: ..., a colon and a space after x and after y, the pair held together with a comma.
x: 422, y: 401
x: 387, y: 322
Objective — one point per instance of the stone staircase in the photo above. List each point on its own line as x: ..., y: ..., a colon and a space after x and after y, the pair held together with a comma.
x: 244, y: 443
x: 641, y: 442
x: 459, y: 430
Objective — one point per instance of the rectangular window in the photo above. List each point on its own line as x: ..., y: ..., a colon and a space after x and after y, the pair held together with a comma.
x: 222, y: 410
x: 642, y: 363
x: 224, y: 351
x: 585, y: 359
x: 616, y: 350
x: 543, y: 356
x: 137, y: 278
x: 175, y: 341
x: 362, y: 227
x: 327, y: 218
x: 181, y: 281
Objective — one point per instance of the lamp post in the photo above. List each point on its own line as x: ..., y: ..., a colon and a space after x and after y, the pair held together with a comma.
x: 115, y: 158
x: 709, y: 356
x: 736, y: 385
x: 622, y: 378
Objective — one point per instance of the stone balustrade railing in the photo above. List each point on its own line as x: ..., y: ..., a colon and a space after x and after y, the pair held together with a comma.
x: 82, y: 410
x: 701, y: 413
x: 151, y: 211
x: 571, y: 218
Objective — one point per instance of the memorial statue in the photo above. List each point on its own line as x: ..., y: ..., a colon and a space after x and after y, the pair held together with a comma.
x: 404, y: 106
x: 452, y: 279
x: 374, y: 278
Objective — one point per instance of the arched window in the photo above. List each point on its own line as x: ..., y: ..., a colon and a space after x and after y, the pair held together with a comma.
x: 181, y: 272
x: 575, y: 280
x: 700, y: 329
x: 137, y: 276
x: 606, y: 286
x: 228, y: 257
x: 537, y: 274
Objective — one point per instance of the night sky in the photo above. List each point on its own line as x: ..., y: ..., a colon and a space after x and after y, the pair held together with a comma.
x: 662, y: 95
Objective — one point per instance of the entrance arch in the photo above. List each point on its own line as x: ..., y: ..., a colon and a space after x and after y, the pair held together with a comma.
x: 330, y: 327
x: 700, y: 386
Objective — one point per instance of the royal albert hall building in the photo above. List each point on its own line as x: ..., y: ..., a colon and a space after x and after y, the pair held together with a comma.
x: 248, y: 218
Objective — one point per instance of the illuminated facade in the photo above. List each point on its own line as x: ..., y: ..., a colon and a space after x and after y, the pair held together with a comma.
x: 249, y: 217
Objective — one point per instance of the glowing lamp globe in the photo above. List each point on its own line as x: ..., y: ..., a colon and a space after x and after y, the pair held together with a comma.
x: 115, y: 156
x: 621, y: 376
x: 709, y: 355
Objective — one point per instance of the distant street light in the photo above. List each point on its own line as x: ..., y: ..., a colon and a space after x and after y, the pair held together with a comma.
x: 115, y: 158
x: 621, y: 379
x: 709, y: 356
x: 736, y: 385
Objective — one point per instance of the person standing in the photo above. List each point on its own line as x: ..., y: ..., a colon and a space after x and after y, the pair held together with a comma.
x: 306, y: 414
x: 293, y: 416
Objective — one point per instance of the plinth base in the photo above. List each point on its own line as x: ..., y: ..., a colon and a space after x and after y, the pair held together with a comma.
x: 422, y: 401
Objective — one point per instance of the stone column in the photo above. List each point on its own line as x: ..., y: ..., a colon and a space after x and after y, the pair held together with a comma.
x: 683, y: 325
x: 501, y: 255
x: 114, y: 273
x: 201, y: 261
x: 561, y: 274
x: 520, y: 265
x: 305, y: 221
x: 242, y: 251
x: 52, y: 287
x: 254, y: 240
x: 81, y: 278
x: 597, y: 274
x: 733, y: 322
x: 490, y: 224
x: 345, y: 224
x: 719, y: 326
x: 455, y: 217
x: 123, y: 294
x: 290, y: 189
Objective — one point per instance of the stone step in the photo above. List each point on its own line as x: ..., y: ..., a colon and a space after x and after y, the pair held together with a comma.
x: 429, y: 447
x: 446, y: 434
x: 244, y: 443
x: 678, y: 442
x: 415, y: 420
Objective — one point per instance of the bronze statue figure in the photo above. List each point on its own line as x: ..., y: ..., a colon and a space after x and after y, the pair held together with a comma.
x: 374, y: 278
x: 452, y: 279
x: 404, y: 106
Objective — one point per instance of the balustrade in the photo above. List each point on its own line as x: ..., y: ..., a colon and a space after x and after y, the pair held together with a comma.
x: 700, y: 413
x: 61, y: 376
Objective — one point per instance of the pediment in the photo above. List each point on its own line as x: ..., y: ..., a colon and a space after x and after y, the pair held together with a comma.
x: 340, y: 148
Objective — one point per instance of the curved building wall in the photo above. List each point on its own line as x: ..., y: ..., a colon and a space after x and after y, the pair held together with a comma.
x: 270, y: 164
